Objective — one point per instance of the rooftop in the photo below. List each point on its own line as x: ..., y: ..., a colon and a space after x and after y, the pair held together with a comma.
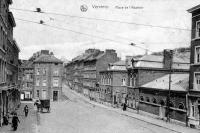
x: 180, y: 82
x: 47, y: 59
x: 194, y: 8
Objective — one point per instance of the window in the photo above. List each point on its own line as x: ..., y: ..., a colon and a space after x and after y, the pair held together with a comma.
x: 38, y: 93
x: 181, y: 106
x: 141, y: 98
x: 197, y: 54
x: 37, y: 82
x: 198, y: 29
x: 37, y: 71
x: 197, y: 81
x: 162, y: 102
x: 55, y: 72
x: 44, y: 71
x: 171, y: 104
x: 147, y: 99
x: 123, y: 81
x: 44, y: 82
x: 154, y: 100
x: 192, y: 109
x: 55, y: 82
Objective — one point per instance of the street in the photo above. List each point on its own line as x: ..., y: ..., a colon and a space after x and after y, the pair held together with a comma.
x: 73, y: 115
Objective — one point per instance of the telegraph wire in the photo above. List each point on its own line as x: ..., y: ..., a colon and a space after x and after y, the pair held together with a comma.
x: 117, y: 36
x: 101, y: 19
x: 61, y: 28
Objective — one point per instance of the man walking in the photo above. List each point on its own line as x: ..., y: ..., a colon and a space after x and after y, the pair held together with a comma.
x: 26, y: 110
x: 15, y: 121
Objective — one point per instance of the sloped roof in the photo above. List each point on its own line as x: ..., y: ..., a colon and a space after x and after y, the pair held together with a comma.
x: 194, y: 8
x: 180, y: 82
x: 156, y: 61
x: 47, y: 59
x: 27, y: 64
x: 119, y: 63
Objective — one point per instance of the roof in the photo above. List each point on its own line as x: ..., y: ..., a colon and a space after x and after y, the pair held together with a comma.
x: 180, y: 82
x: 27, y: 64
x: 119, y: 63
x: 47, y: 59
x: 156, y: 61
x: 95, y: 55
x: 118, y: 66
x: 194, y: 8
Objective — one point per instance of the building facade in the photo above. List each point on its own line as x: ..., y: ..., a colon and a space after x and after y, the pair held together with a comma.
x: 48, y: 71
x: 194, y: 84
x: 113, y: 83
x: 82, y: 73
x: 27, y: 80
x: 148, y: 85
x: 9, y: 84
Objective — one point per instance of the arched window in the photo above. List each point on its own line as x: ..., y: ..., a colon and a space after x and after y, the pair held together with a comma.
x: 147, y: 99
x: 141, y: 98
x: 171, y: 104
x: 154, y: 100
x: 162, y: 102
x: 181, y: 106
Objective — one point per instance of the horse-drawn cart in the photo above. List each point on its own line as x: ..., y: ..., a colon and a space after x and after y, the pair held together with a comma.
x: 43, y: 104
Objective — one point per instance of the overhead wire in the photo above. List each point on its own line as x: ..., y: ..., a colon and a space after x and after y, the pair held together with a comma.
x: 86, y: 34
x: 105, y: 20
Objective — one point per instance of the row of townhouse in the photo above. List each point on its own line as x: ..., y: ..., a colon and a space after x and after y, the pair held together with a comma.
x: 82, y: 73
x: 42, y: 77
x: 9, y: 63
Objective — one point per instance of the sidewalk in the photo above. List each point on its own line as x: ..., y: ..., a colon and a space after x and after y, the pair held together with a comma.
x: 27, y: 124
x: 157, y: 122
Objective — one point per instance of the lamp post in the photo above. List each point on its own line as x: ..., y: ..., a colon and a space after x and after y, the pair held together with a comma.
x: 169, y: 91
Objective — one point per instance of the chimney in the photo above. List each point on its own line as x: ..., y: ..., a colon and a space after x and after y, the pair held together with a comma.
x: 127, y: 61
x: 46, y: 52
x: 167, y: 58
x: 110, y: 51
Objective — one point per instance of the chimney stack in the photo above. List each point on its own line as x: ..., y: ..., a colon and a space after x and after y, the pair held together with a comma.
x: 167, y: 58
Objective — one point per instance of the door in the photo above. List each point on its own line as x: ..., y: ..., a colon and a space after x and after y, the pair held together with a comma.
x: 55, y: 95
x: 44, y: 94
x: 162, y: 112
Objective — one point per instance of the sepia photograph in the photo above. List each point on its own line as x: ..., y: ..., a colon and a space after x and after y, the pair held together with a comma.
x: 99, y: 66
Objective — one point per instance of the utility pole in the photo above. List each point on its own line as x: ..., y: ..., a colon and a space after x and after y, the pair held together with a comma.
x: 169, y: 91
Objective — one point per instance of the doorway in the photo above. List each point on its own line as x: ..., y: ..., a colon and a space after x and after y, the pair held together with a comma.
x: 55, y: 95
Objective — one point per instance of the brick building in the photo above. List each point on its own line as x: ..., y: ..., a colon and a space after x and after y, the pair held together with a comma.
x: 113, y: 83
x: 82, y: 73
x: 144, y: 77
x: 27, y: 80
x: 48, y: 71
x: 194, y: 84
x: 9, y: 93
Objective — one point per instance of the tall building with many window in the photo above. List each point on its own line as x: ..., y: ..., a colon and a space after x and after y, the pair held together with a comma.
x: 194, y: 84
x: 47, y: 76
x: 9, y: 87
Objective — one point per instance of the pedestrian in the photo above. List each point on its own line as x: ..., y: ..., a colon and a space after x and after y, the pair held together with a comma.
x: 26, y: 110
x: 15, y: 121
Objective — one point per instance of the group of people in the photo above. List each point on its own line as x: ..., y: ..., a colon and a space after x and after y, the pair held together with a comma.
x: 15, y: 119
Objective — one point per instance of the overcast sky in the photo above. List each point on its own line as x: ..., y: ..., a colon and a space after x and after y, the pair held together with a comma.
x: 33, y: 37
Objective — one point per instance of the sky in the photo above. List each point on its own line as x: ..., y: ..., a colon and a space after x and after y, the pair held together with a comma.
x: 70, y: 34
